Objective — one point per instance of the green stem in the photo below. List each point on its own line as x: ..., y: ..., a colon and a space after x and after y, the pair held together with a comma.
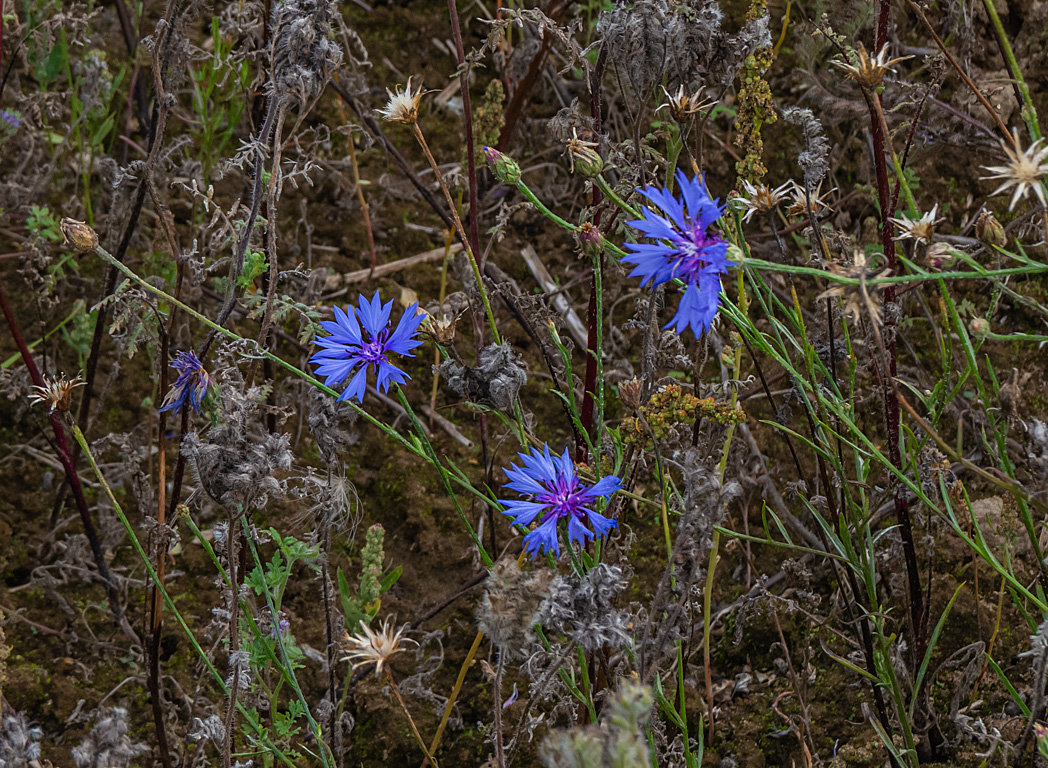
x: 1029, y: 110
x: 605, y: 187
x: 137, y: 545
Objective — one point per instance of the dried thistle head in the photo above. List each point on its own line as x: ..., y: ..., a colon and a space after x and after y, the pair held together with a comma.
x: 78, y: 235
x: 684, y: 105
x: 375, y: 647
x: 759, y: 198
x: 1024, y: 170
x: 402, y: 106
x: 58, y: 393
x: 869, y: 71
x: 919, y: 230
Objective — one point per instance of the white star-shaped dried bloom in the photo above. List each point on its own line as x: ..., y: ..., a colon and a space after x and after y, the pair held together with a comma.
x: 866, y: 71
x: 58, y: 393
x: 402, y: 106
x: 1024, y: 170
x: 375, y: 647
x: 683, y: 105
x: 919, y: 230
x: 759, y: 198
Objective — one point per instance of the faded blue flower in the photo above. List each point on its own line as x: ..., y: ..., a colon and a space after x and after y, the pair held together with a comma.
x: 553, y: 492
x: 13, y: 119
x: 686, y: 249
x: 192, y: 384
x: 356, y: 347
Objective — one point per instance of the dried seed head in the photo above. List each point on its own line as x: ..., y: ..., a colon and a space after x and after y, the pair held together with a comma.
x: 442, y: 317
x: 685, y: 105
x: 989, y: 231
x: 78, y: 235
x: 919, y: 230
x: 866, y: 71
x: 759, y: 198
x: 375, y: 647
x: 583, y: 155
x: 402, y: 106
x: 1024, y: 170
x: 496, y: 380
x: 799, y: 204
x: 58, y: 393
x: 629, y: 393
x: 858, y: 299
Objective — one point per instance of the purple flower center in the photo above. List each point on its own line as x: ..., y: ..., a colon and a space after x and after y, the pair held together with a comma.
x: 689, y: 263
x: 373, y: 352
x: 563, y: 497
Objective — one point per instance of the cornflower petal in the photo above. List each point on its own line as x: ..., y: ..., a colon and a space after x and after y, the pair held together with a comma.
x: 543, y: 538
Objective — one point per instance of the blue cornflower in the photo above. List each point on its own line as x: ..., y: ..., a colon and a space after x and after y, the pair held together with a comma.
x: 554, y: 491
x: 687, y: 250
x: 192, y: 383
x: 359, y: 347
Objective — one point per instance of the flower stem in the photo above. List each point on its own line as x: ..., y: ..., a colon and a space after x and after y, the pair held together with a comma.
x: 461, y: 230
x: 613, y: 196
x: 411, y: 722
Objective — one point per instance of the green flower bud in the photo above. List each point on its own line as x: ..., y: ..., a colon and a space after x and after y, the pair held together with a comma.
x: 505, y: 168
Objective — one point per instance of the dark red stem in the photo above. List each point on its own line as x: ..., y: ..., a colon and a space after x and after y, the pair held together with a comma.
x: 65, y: 456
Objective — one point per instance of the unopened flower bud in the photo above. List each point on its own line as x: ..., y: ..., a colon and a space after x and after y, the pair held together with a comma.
x: 505, y: 168
x: 939, y: 256
x: 590, y: 240
x: 78, y: 235
x: 979, y: 327
x: 989, y: 231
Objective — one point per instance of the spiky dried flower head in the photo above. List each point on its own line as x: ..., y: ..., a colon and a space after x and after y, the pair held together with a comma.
x: 685, y: 105
x: 583, y: 154
x: 402, y: 106
x: 1024, y: 170
x: 759, y: 198
x: 801, y: 199
x: 78, y: 235
x: 869, y: 71
x: 376, y: 648
x: 920, y: 230
x: 57, y: 392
